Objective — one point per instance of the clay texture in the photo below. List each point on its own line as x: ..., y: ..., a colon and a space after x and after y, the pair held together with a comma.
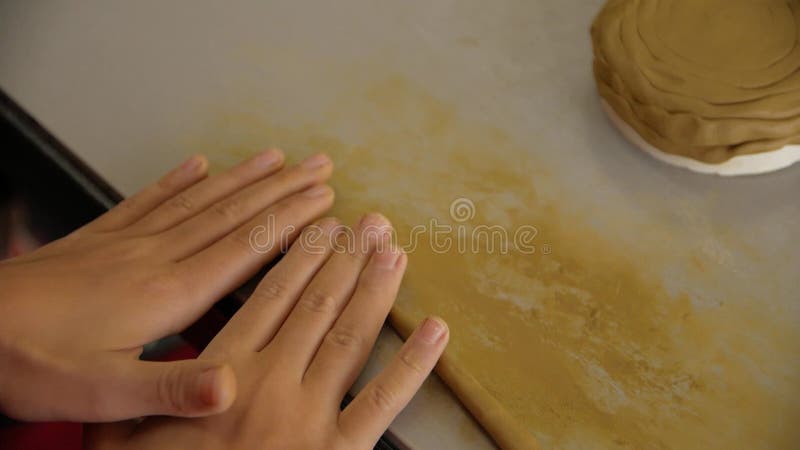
x: 705, y: 79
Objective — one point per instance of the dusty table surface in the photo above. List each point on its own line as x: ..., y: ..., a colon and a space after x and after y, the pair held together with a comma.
x: 134, y: 88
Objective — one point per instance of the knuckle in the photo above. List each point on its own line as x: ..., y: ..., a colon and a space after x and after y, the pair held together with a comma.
x: 382, y: 398
x: 362, y: 249
x: 318, y: 302
x: 181, y: 203
x: 345, y: 338
x: 241, y: 239
x: 356, y: 257
x: 271, y: 289
x: 229, y: 209
x: 410, y: 363
x: 169, y: 392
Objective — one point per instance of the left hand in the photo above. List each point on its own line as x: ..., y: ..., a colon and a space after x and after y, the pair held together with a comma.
x: 75, y: 314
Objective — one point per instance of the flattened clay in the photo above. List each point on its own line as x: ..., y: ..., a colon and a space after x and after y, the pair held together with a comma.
x: 708, y: 80
x: 581, y: 344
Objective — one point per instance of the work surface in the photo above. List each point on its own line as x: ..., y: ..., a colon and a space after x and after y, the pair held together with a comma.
x: 421, y: 104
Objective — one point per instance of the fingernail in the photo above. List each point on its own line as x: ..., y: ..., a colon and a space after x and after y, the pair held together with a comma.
x: 387, y: 256
x: 191, y: 164
x: 267, y: 159
x: 432, y: 330
x: 316, y: 161
x: 317, y: 191
x: 372, y: 229
x: 207, y: 386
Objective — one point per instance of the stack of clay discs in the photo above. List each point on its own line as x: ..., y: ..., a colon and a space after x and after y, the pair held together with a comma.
x: 709, y: 85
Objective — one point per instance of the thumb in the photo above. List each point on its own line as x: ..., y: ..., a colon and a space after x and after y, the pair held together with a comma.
x: 189, y: 388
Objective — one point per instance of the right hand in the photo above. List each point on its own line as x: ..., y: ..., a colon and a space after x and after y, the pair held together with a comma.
x: 297, y: 345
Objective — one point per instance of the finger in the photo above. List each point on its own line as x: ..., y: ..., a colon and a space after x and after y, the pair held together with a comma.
x: 230, y: 262
x: 207, y: 192
x: 224, y: 216
x: 346, y: 347
x: 373, y: 409
x: 190, y: 388
x: 115, y: 387
x: 137, y: 206
x: 322, y: 301
x: 254, y: 325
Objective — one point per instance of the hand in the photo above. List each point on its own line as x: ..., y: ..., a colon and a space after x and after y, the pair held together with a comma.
x: 75, y: 314
x: 297, y: 345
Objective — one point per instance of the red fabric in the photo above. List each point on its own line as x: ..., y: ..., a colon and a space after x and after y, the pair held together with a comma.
x: 41, y: 436
x: 61, y: 435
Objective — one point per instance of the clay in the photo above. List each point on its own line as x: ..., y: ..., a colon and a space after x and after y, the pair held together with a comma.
x: 705, y: 79
x: 583, y: 346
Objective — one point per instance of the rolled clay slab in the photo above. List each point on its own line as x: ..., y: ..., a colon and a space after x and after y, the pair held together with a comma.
x: 752, y: 164
x: 709, y: 85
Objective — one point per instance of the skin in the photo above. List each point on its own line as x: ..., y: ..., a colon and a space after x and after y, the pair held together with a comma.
x: 75, y: 314
x: 296, y: 347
